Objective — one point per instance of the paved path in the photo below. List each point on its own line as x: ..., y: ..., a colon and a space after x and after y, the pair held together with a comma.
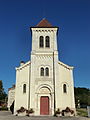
x: 8, y: 116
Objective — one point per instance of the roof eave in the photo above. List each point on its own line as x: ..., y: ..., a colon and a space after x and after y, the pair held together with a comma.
x: 44, y: 27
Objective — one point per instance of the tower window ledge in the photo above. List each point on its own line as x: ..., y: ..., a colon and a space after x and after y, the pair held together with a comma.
x: 44, y: 79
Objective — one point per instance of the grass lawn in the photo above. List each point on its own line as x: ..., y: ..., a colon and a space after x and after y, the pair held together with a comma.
x: 82, y: 112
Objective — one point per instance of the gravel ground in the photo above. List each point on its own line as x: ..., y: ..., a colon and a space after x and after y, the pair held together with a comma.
x: 8, y: 116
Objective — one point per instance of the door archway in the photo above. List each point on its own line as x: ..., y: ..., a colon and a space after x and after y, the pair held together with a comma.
x: 44, y: 101
x: 44, y: 95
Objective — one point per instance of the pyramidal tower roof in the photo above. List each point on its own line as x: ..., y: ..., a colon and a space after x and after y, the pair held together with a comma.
x: 44, y: 23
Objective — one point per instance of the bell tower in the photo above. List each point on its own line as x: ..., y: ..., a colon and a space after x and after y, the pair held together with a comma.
x: 44, y: 37
x: 44, y: 59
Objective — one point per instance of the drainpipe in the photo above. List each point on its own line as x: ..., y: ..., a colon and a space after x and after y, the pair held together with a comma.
x: 54, y: 84
x: 29, y: 87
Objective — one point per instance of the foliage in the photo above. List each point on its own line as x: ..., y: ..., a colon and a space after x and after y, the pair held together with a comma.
x: 31, y: 110
x: 2, y: 93
x: 82, y: 95
x: 22, y: 109
x: 57, y: 111
x: 3, y: 108
x: 67, y: 110
x: 82, y: 112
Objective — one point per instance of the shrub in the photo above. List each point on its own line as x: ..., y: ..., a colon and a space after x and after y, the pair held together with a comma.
x: 3, y: 108
x: 57, y: 112
x: 30, y: 111
x: 21, y: 110
x: 67, y: 110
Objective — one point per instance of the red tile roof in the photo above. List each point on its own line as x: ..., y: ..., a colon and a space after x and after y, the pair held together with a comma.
x: 44, y: 23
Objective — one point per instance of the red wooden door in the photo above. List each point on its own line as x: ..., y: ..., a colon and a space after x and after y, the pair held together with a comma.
x: 44, y: 105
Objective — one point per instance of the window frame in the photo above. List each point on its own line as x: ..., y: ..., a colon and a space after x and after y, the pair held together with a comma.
x: 64, y: 88
x: 42, y: 71
x: 47, y: 71
x: 41, y: 42
x: 24, y: 88
x: 47, y: 42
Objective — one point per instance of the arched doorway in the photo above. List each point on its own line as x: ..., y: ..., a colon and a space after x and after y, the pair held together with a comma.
x: 44, y: 100
x: 44, y: 105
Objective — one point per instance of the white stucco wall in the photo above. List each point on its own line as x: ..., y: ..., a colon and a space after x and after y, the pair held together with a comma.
x: 22, y: 77
x: 37, y: 81
x: 11, y: 97
x: 37, y: 32
x: 65, y: 76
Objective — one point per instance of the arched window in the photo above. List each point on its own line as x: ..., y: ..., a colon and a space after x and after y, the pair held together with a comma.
x: 64, y: 88
x: 24, y: 88
x: 47, y: 41
x: 47, y: 71
x: 42, y: 71
x: 41, y: 42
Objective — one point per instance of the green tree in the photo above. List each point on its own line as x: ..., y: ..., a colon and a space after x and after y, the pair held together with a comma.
x: 82, y: 95
x: 2, y: 92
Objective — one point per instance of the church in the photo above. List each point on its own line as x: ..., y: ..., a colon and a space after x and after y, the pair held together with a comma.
x: 44, y: 83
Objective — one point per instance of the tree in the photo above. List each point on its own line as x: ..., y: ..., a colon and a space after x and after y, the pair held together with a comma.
x: 2, y: 92
x: 83, y: 96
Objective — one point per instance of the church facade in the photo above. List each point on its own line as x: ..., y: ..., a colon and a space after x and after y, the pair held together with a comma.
x: 44, y: 83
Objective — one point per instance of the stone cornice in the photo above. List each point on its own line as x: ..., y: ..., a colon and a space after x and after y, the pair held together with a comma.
x: 44, y: 29
x: 23, y: 66
x: 50, y: 53
x: 66, y: 66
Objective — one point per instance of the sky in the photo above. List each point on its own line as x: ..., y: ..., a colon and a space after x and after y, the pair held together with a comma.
x: 71, y: 16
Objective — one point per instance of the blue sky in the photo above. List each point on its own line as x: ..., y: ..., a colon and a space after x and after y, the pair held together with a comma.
x: 71, y: 16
